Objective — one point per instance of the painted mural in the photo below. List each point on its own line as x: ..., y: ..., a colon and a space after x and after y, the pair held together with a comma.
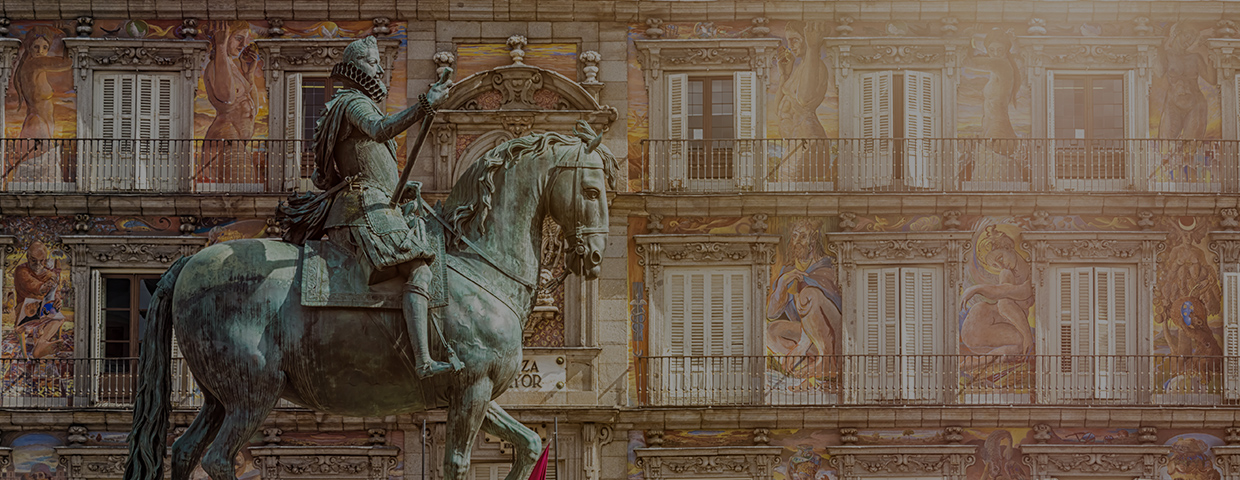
x: 993, y: 99
x: 477, y: 57
x: 805, y: 454
x: 231, y: 101
x: 996, y: 344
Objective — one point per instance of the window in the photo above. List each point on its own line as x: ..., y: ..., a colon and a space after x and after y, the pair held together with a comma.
x: 900, y: 325
x: 897, y: 110
x: 1096, y: 338
x: 121, y: 306
x: 707, y: 115
x: 306, y: 97
x: 497, y: 471
x: 706, y: 337
x: 133, y: 111
x: 1087, y: 123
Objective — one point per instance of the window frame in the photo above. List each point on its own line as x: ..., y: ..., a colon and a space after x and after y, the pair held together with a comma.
x: 663, y: 61
x: 1050, y: 251
x: 1112, y: 177
x: 861, y: 251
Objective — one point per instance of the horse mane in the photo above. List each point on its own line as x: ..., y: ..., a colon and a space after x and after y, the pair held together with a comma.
x: 468, y: 205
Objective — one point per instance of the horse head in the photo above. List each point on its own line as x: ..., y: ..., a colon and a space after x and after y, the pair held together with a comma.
x: 576, y: 198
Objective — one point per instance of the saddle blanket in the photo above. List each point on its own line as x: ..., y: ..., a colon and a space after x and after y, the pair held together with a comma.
x: 332, y: 277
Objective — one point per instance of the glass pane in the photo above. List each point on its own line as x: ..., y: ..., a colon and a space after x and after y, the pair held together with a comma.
x: 1108, y: 107
x: 695, y: 97
x: 146, y: 286
x: 1069, y: 108
x: 116, y: 292
x: 116, y: 326
x: 115, y: 350
x: 314, y: 99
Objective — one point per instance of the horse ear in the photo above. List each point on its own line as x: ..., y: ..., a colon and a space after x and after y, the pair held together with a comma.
x: 591, y: 139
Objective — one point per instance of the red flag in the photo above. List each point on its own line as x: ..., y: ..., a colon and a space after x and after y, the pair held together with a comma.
x: 540, y: 468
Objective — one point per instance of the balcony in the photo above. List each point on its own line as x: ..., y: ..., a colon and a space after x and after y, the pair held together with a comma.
x: 872, y: 380
x: 49, y: 384
x: 81, y: 165
x: 941, y: 165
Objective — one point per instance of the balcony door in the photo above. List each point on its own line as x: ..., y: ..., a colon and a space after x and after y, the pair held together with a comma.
x: 1097, y: 337
x: 896, y: 121
x: 712, y: 124
x: 706, y: 341
x: 121, y: 302
x: 898, y: 355
x: 134, y: 123
x: 1088, y: 117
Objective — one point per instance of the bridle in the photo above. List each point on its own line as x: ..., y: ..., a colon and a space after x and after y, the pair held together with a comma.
x: 580, y: 233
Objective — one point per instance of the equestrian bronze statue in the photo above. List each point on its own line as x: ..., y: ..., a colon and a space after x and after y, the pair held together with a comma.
x: 372, y: 305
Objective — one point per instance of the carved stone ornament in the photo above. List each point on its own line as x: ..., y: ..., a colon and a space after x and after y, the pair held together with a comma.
x: 1225, y: 53
x: 1139, y: 248
x: 855, y: 462
x: 92, y: 53
x: 1042, y: 52
x: 298, y: 462
x: 94, y: 250
x: 1229, y: 221
x: 757, y: 462
x: 1226, y: 249
x: 1051, y: 461
x: 318, y: 55
x: 83, y: 463
x: 1227, y: 458
x: 897, y: 52
x: 862, y: 248
x: 699, y: 55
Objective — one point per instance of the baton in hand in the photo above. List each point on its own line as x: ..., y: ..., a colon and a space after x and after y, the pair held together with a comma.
x: 444, y: 78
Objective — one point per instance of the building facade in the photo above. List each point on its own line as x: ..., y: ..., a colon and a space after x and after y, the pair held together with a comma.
x: 882, y: 239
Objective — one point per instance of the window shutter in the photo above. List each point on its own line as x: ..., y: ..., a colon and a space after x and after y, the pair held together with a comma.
x: 874, y: 166
x: 677, y: 128
x: 880, y: 301
x: 1104, y: 331
x: 1231, y: 333
x: 491, y: 471
x: 746, y: 102
x: 294, y: 118
x: 919, y: 307
x: 1076, y: 339
x: 1050, y: 127
x: 707, y: 328
x: 920, y: 99
x: 675, y: 308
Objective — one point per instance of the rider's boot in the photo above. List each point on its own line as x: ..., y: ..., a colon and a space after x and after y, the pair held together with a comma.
x: 417, y: 319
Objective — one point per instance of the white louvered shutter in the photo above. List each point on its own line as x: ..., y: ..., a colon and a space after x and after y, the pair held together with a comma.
x: 1075, y: 373
x: 115, y: 127
x: 155, y: 120
x: 294, y: 125
x: 1231, y: 334
x: 874, y: 166
x: 677, y: 129
x: 707, y: 330
x: 489, y: 471
x: 746, y: 101
x: 919, y: 331
x: 920, y: 101
x: 879, y: 299
x: 98, y: 324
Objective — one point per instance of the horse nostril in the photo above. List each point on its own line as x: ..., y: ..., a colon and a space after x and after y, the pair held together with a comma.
x: 596, y: 258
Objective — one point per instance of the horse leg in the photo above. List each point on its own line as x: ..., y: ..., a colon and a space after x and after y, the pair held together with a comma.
x: 464, y: 420
x: 245, y: 410
x: 529, y: 446
x: 187, y: 450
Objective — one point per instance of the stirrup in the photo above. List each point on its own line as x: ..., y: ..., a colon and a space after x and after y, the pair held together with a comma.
x: 427, y: 370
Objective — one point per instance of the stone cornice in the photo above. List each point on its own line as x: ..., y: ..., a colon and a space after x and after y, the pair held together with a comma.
x: 629, y: 11
x: 128, y: 54
x: 756, y: 462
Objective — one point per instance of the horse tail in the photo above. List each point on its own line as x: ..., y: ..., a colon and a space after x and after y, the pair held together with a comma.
x: 149, y: 435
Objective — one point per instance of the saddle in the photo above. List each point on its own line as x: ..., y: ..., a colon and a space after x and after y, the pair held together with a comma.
x: 333, y: 276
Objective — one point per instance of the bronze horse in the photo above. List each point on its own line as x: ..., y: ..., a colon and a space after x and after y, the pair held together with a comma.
x: 237, y: 312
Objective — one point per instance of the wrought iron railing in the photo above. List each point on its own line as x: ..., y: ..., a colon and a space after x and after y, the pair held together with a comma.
x: 940, y: 165
x: 937, y: 380
x: 156, y: 166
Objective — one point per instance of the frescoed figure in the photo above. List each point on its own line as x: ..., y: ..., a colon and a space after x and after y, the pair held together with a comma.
x: 1191, y: 458
x: 804, y: 307
x: 996, y: 306
x: 1186, y: 297
x: 999, y: 457
x: 804, y: 85
x: 38, y: 319
x: 229, y: 79
x: 1185, y: 61
x: 804, y: 464
x: 35, y: 80
x: 994, y: 160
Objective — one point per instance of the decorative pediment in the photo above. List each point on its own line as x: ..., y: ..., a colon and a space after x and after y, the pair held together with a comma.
x: 755, y: 463
x: 715, y: 54
x: 894, y: 53
x: 318, y: 54
x: 1051, y: 461
x: 116, y: 251
x: 1042, y: 52
x: 656, y: 250
x: 83, y: 463
x: 1078, y: 246
x: 102, y: 53
x: 854, y: 462
x: 868, y: 248
x: 305, y: 462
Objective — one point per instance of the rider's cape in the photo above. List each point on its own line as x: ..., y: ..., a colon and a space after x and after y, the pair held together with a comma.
x: 304, y: 217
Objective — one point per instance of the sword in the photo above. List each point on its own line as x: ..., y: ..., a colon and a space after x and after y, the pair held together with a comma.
x: 417, y: 145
